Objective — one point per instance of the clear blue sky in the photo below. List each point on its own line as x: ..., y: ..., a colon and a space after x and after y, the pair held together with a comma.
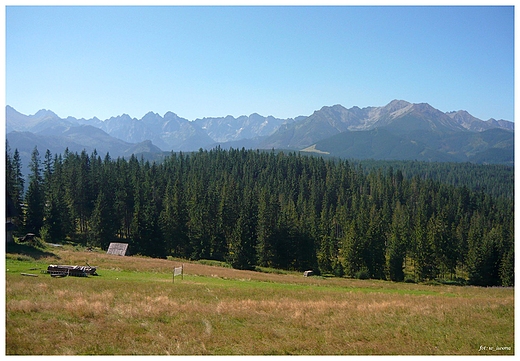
x: 280, y: 61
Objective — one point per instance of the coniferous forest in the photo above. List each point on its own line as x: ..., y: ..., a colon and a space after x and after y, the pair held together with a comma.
x: 271, y: 209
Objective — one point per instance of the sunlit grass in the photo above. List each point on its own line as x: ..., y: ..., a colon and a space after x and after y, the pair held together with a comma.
x: 134, y: 308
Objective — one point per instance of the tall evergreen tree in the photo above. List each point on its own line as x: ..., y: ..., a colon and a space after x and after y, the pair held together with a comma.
x: 443, y: 244
x: 48, y: 170
x: 34, y: 198
x: 425, y: 262
x: 197, y: 224
x: 173, y: 220
x: 484, y: 268
x: 374, y: 252
x: 326, y: 252
x: 15, y: 183
x: 507, y: 268
x: 353, y: 247
x: 123, y: 197
x: 268, y: 210
x: 104, y: 222
x: 242, y: 248
x: 227, y: 216
x: 397, y: 243
x: 57, y: 224
x: 475, y: 258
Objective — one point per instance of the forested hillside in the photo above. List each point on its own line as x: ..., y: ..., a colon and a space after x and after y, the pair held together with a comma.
x: 496, y: 179
x: 253, y: 208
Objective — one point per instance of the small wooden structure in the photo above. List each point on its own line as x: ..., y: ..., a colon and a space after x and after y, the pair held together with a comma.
x: 308, y: 273
x: 119, y: 249
x: 66, y: 270
x: 178, y: 271
x: 29, y: 237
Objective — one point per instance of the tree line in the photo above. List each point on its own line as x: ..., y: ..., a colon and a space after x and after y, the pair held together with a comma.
x: 495, y: 179
x: 269, y: 209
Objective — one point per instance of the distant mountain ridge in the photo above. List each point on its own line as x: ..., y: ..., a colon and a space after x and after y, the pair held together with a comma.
x: 406, y: 130
x: 170, y: 132
x: 399, y: 115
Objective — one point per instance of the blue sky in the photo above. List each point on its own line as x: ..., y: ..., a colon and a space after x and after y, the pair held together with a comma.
x: 280, y: 61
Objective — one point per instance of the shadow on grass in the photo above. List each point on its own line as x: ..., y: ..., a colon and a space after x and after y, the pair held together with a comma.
x: 28, y: 250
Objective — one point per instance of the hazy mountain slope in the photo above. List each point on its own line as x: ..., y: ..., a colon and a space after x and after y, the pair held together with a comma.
x: 75, y: 139
x: 469, y: 122
x: 490, y: 146
x: 16, y: 121
x: 170, y: 132
x: 226, y: 129
x: 406, y: 131
x: 379, y: 144
x: 398, y: 115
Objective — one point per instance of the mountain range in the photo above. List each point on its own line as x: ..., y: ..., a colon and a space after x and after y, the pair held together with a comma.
x: 398, y: 130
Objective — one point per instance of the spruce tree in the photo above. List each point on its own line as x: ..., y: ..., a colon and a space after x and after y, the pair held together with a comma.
x: 57, y: 223
x: 397, y: 243
x: 15, y: 184
x: 34, y: 198
x: 242, y: 248
x: 268, y: 210
x: 104, y: 222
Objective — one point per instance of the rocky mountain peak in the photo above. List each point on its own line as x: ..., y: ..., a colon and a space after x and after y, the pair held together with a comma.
x: 44, y: 113
x: 172, y: 132
x: 396, y: 105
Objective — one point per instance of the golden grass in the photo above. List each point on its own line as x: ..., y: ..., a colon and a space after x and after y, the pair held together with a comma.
x: 224, y: 311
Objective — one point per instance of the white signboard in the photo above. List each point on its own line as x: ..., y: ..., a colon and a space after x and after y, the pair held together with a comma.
x: 178, y: 271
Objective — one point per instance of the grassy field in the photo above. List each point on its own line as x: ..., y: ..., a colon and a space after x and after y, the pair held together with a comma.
x: 134, y: 308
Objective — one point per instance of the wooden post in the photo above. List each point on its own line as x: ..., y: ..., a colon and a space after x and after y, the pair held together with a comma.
x: 29, y: 274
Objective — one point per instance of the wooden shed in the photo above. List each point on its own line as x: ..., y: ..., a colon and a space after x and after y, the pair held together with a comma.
x: 119, y: 249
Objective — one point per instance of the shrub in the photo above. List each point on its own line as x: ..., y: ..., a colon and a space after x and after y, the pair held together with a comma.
x: 432, y: 283
x: 19, y: 257
x: 339, y: 271
x: 455, y: 282
x: 362, y: 274
x: 211, y: 262
x: 45, y: 234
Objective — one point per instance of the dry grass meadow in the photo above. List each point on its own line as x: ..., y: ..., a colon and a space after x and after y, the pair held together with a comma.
x: 134, y: 308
